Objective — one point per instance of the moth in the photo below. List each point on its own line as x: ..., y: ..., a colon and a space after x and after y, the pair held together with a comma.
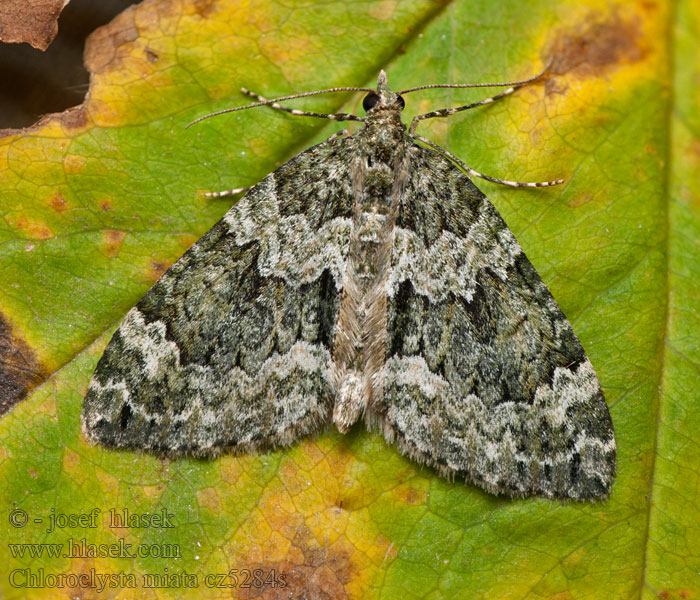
x: 367, y: 279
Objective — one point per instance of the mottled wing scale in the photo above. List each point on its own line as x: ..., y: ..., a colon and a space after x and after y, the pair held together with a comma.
x: 485, y: 378
x: 244, y: 319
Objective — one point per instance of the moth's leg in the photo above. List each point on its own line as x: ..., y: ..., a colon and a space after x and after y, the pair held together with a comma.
x: 232, y: 192
x: 446, y: 112
x: 471, y: 172
x: 304, y: 113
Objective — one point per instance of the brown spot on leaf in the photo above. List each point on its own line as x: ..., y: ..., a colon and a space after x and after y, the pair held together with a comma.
x: 20, y: 370
x: 204, y: 7
x: 34, y: 229
x: 156, y: 269
x: 32, y: 21
x: 151, y: 56
x: 105, y: 204
x: 74, y: 163
x: 112, y: 242
x: 594, y: 47
x: 58, y: 203
x: 410, y: 495
x: 322, y: 574
x: 73, y: 118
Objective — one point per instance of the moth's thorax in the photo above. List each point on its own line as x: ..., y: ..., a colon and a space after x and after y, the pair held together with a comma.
x: 383, y: 129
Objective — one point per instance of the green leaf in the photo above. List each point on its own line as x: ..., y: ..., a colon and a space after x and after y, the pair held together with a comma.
x: 98, y: 202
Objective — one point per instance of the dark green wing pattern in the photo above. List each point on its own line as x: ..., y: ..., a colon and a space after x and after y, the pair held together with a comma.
x: 231, y: 347
x: 484, y: 377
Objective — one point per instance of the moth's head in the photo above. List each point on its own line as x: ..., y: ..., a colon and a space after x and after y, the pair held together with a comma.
x: 383, y: 99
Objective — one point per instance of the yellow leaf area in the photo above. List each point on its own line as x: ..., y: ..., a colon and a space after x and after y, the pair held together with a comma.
x: 99, y: 201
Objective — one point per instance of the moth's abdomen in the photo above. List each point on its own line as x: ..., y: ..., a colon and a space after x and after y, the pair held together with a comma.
x: 360, y: 341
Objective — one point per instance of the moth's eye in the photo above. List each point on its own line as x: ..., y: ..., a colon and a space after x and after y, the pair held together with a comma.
x: 401, y: 102
x: 370, y: 101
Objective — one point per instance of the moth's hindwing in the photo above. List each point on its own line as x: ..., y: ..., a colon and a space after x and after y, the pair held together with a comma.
x: 484, y: 376
x: 244, y: 320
